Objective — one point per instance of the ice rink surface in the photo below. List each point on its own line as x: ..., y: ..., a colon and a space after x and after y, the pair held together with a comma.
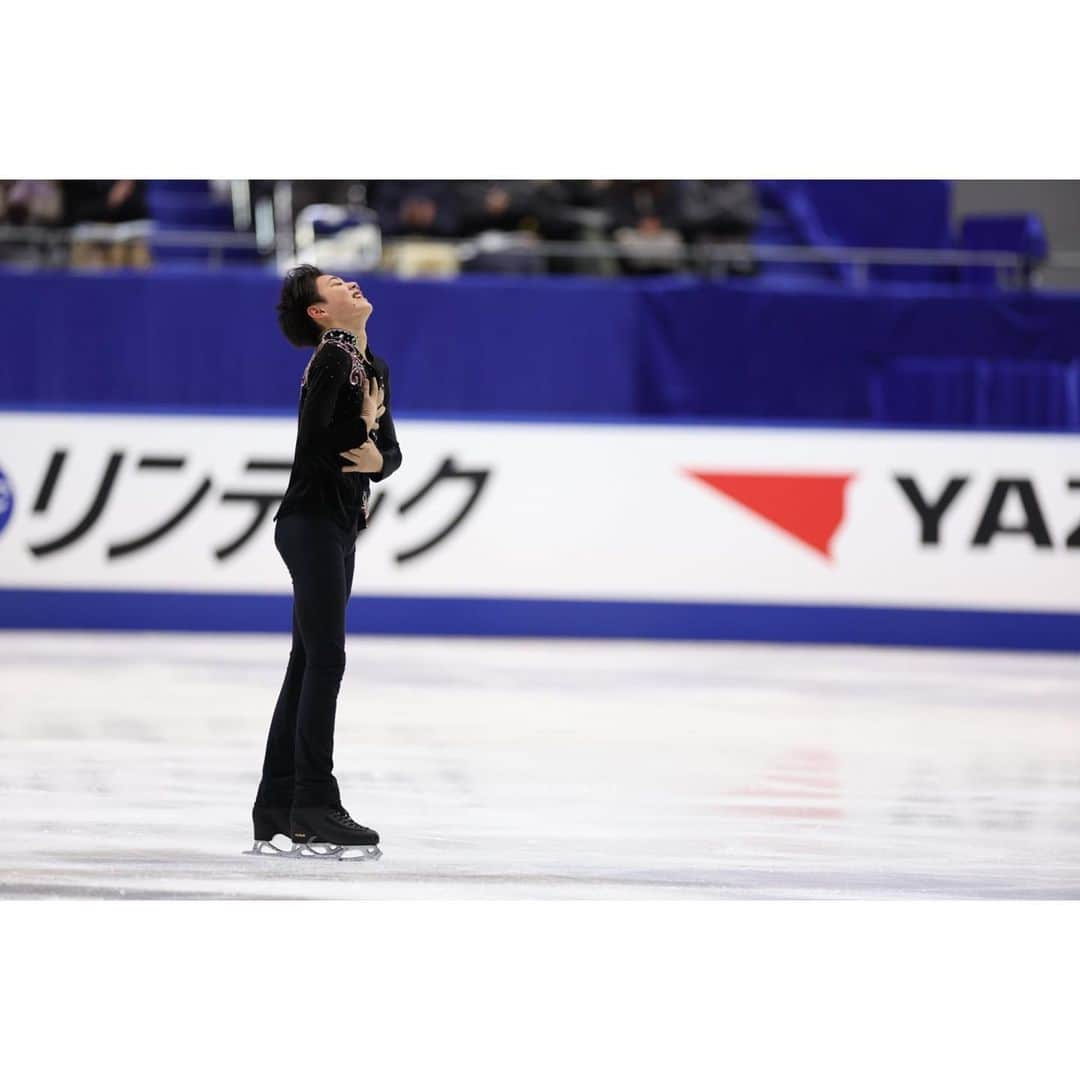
x: 514, y: 769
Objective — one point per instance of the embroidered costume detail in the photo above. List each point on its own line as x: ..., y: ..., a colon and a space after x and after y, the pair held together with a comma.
x: 343, y: 339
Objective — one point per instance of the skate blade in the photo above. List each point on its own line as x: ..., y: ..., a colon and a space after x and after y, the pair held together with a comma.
x: 267, y: 847
x: 337, y: 852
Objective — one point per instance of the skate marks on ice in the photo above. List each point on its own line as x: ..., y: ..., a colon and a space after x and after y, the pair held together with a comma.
x: 521, y: 769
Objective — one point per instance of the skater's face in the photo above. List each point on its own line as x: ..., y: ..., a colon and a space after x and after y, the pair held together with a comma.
x: 341, y: 303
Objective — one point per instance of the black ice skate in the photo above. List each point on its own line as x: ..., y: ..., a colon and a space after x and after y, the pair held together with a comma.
x: 327, y: 832
x: 270, y: 823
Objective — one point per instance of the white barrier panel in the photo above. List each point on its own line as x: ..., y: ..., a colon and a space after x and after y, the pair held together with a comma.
x: 610, y: 512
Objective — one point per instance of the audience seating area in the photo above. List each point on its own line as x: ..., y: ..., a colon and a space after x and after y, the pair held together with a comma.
x: 789, y: 230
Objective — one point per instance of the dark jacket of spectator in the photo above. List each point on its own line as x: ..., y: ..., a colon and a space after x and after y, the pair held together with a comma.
x: 587, y: 194
x: 644, y: 204
x: 416, y: 207
x: 504, y: 205
x: 104, y: 201
x: 717, y: 209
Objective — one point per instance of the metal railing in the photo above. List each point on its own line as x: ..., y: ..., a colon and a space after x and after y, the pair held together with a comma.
x: 58, y: 240
x: 705, y: 258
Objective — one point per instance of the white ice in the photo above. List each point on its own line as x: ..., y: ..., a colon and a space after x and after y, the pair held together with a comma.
x: 548, y: 769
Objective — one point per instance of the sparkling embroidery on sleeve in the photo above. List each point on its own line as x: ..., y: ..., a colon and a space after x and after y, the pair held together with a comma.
x: 357, y: 370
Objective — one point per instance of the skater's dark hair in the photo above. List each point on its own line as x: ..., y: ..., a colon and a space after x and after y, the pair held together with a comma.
x: 298, y: 293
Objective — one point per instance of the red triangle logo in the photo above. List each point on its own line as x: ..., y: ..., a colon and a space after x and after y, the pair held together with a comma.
x: 809, y: 507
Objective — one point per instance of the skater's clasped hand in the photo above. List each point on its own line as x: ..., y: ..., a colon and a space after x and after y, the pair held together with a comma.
x: 372, y: 406
x: 364, y: 459
x: 367, y: 458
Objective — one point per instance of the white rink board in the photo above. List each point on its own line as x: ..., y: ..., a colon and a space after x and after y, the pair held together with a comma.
x: 568, y: 511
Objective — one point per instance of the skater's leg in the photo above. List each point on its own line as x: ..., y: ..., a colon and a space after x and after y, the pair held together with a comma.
x: 328, y: 832
x: 350, y: 563
x: 276, y: 787
x: 315, y: 551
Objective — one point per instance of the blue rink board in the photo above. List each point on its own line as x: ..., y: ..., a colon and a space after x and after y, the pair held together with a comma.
x: 494, y: 617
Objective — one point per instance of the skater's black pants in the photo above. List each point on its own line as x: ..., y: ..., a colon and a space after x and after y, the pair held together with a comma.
x: 299, y: 766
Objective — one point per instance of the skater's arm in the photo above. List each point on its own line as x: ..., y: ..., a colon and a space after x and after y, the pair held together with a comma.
x: 381, y: 455
x: 325, y: 381
x: 386, y: 435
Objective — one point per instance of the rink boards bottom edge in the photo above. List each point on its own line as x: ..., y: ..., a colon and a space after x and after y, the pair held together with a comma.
x: 38, y: 609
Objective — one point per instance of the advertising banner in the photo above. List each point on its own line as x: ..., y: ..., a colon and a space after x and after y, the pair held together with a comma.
x: 643, y: 513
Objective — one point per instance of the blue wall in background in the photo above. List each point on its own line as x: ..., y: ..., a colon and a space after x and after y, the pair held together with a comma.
x: 475, y: 345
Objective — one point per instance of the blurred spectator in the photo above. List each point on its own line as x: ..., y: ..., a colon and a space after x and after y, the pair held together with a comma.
x: 351, y: 194
x: 649, y: 206
x: 31, y: 202
x: 557, y: 218
x: 645, y: 217
x: 504, y: 205
x: 578, y: 210
x: 416, y: 207
x: 521, y: 212
x: 104, y: 201
x: 717, y: 210
x: 109, y: 220
x: 589, y: 194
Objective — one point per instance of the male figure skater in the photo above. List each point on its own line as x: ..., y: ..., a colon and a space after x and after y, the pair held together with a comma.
x: 345, y: 439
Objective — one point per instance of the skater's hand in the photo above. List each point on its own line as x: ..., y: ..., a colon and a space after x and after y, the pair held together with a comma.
x: 372, y: 407
x: 364, y: 459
